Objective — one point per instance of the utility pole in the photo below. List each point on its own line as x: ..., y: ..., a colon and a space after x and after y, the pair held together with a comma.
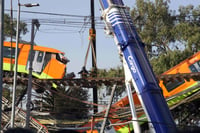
x: 15, y: 69
x: 94, y: 62
x: 1, y: 53
x: 34, y: 22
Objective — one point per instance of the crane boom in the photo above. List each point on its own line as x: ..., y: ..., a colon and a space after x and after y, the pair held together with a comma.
x: 118, y: 20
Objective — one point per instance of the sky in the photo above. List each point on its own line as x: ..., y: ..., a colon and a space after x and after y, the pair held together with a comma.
x: 73, y: 41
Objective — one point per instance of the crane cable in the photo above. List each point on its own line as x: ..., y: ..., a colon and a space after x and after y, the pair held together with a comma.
x: 91, y: 37
x: 86, y: 56
x: 94, y: 55
x: 93, y: 51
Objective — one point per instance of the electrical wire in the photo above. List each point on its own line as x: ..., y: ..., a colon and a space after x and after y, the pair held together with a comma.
x: 48, y: 13
x: 66, y: 21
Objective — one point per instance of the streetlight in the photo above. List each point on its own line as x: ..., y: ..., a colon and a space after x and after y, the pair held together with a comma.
x: 16, y: 60
x: 30, y: 5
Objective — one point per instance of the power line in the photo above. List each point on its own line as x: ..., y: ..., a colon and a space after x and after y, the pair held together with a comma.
x: 48, y: 13
x: 80, y: 22
x: 65, y: 25
x: 72, y: 17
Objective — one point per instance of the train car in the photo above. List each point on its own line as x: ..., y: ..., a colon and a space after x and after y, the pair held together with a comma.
x: 173, y: 91
x: 48, y: 63
x: 172, y: 88
x: 189, y: 65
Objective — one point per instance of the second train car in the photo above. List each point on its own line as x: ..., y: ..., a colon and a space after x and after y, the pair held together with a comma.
x: 189, y: 65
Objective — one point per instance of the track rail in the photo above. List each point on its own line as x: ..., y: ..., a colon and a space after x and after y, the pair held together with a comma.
x: 90, y: 82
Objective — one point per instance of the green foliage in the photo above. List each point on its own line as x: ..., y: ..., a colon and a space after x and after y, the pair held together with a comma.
x: 160, y: 29
x: 165, y: 61
x: 159, y: 64
x: 10, y: 27
x: 169, y: 38
x: 69, y: 107
x: 65, y: 103
x: 187, y: 30
x: 113, y: 72
x: 154, y: 24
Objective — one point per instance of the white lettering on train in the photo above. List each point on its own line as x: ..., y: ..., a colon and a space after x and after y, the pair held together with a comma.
x: 130, y: 60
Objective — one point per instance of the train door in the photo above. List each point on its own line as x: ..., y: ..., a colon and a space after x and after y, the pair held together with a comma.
x: 38, y: 61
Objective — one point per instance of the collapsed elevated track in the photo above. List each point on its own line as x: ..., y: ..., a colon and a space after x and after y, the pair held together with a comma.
x: 42, y: 84
x: 90, y: 82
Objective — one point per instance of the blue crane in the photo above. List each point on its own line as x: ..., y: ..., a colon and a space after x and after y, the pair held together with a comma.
x: 120, y: 25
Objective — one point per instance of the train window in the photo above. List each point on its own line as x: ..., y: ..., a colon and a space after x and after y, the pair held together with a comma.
x: 195, y: 67
x: 40, y: 56
x: 171, y: 85
x: 7, y: 52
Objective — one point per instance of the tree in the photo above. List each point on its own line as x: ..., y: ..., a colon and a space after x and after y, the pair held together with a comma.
x: 169, y: 38
x: 166, y: 61
x: 154, y: 24
x: 113, y: 72
x: 110, y: 73
x: 163, y: 31
x: 10, y: 27
x: 187, y: 29
x: 65, y: 103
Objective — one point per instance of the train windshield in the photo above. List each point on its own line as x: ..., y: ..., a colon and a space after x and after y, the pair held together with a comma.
x: 62, y: 58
